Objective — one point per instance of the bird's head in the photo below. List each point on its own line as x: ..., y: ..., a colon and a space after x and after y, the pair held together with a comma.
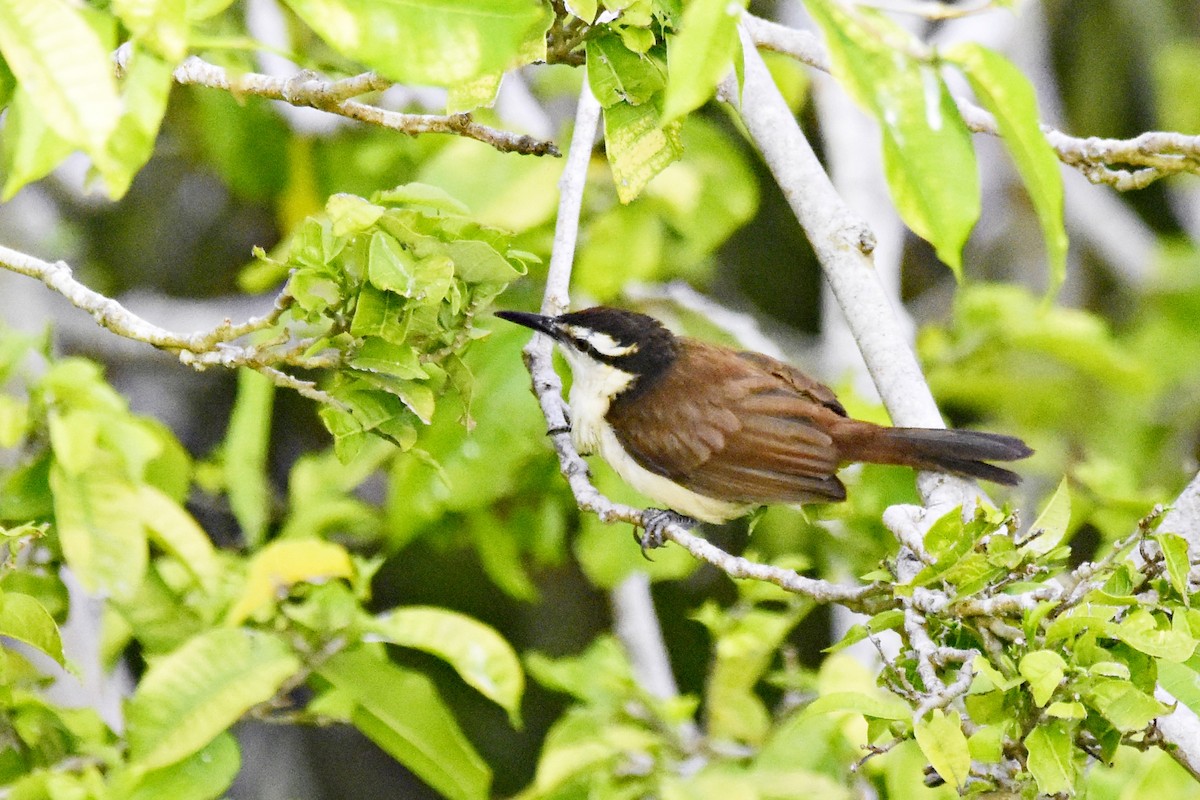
x: 633, y: 343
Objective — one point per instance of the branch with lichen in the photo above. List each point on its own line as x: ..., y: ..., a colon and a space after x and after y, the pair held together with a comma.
x: 199, y: 350
x: 307, y: 88
x: 1124, y: 164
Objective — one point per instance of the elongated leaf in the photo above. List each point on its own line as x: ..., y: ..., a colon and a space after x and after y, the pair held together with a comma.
x: 1050, y: 758
x: 23, y: 618
x: 401, y: 711
x: 29, y: 149
x: 1127, y: 707
x: 177, y: 532
x: 245, y: 455
x: 480, y: 655
x: 103, y: 540
x: 187, y: 698
x: 161, y: 24
x: 61, y: 62
x: 942, y: 741
x: 144, y: 92
x: 1140, y: 631
x: 1008, y: 94
x: 1182, y: 681
x: 440, y: 42
x: 1175, y: 554
x: 880, y: 706
x: 1051, y: 525
x: 701, y: 54
x: 204, y: 775
x: 929, y: 159
x: 282, y: 564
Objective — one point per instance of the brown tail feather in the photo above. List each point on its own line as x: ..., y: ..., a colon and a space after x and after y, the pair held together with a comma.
x: 938, y: 450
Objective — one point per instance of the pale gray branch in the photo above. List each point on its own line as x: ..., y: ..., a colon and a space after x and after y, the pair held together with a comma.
x: 334, y: 96
x: 1153, y: 155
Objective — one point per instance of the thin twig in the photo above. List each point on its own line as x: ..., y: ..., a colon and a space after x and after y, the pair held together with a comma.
x: 334, y: 96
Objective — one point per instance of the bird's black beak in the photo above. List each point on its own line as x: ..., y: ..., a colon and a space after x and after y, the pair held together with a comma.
x: 538, y: 322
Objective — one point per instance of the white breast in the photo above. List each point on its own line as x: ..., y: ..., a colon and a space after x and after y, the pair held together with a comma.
x: 594, y: 383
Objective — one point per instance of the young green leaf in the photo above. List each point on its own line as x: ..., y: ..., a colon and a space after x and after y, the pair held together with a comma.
x: 1008, y: 94
x: 480, y: 655
x: 401, y: 711
x: 929, y: 160
x: 244, y: 455
x: 941, y: 739
x: 1175, y: 555
x: 1044, y: 669
x: 177, y: 532
x: 617, y: 74
x: 438, y: 42
x: 1050, y: 758
x: 701, y: 54
x: 204, y: 775
x: 23, y: 618
x: 879, y: 706
x: 1050, y: 527
x: 64, y: 66
x: 187, y: 698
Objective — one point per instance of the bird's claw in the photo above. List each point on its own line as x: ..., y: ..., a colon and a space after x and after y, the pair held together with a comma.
x: 655, y: 522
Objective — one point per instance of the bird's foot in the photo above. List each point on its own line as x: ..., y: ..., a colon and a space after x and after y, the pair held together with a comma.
x: 655, y: 522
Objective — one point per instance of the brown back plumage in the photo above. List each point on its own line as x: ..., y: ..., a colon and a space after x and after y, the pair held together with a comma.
x: 751, y: 429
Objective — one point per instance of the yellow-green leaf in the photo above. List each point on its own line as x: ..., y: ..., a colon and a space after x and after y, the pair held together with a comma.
x: 177, y: 532
x: 280, y: 565
x: 1003, y: 90
x: 187, y: 698
x: 941, y: 739
x: 1044, y: 669
x: 100, y: 529
x: 1050, y: 758
x: 480, y: 655
x: 23, y: 618
x: 1050, y: 527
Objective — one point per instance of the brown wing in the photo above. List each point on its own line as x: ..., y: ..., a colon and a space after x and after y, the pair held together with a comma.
x: 743, y: 429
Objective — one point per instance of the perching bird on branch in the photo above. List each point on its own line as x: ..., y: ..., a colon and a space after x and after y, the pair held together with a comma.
x: 712, y: 433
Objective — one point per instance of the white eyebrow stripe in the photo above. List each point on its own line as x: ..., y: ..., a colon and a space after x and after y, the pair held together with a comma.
x: 601, y: 342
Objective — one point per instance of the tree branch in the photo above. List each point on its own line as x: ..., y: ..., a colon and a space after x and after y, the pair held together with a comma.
x: 199, y: 350
x: 1156, y: 154
x: 309, y: 89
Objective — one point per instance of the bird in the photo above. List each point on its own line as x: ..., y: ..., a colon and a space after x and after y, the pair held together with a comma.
x: 712, y: 433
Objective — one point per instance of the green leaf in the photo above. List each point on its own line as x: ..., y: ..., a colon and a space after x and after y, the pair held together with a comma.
x: 379, y: 313
x: 103, y: 540
x: 188, y: 698
x: 204, y: 775
x: 928, y: 156
x: 1175, y: 555
x: 144, y: 90
x: 284, y: 563
x: 397, y: 360
x: 942, y: 741
x: 638, y: 146
x: 1050, y: 758
x: 701, y: 54
x: 422, y: 196
x: 1127, y: 707
x: 479, y: 654
x: 617, y: 74
x: 1182, y: 681
x: 1066, y: 710
x: 439, y: 42
x: 880, y: 706
x: 1003, y: 90
x: 390, y: 266
x: 1050, y: 527
x: 1044, y: 669
x: 244, y: 455
x: 177, y: 532
x: 478, y: 262
x: 30, y: 148
x: 351, y: 214
x: 23, y: 618
x: 160, y: 24
x: 401, y: 711
x: 61, y: 62
x: 1141, y: 632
